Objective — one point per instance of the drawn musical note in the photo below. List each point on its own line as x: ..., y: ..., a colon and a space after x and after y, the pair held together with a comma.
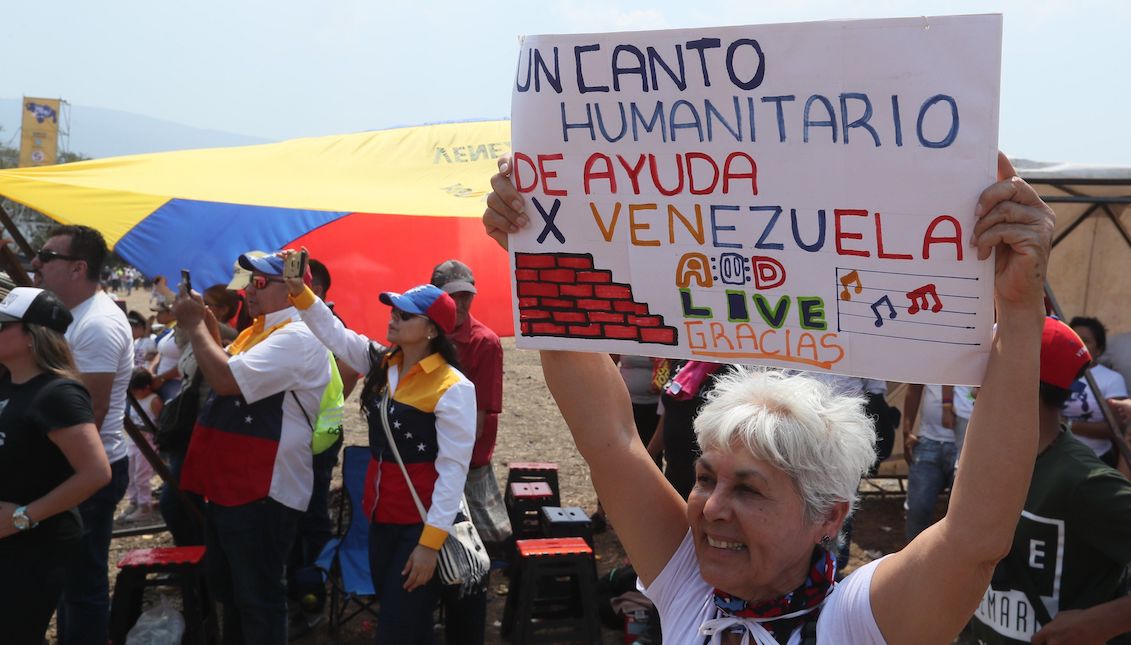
x: 849, y: 278
x: 918, y: 299
x: 875, y: 309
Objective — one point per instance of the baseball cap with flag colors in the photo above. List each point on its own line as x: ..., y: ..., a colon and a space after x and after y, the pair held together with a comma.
x: 425, y: 300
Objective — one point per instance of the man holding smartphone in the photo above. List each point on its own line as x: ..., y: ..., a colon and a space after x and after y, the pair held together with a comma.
x: 250, y: 452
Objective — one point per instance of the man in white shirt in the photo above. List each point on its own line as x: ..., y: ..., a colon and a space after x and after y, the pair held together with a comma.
x: 250, y: 454
x: 931, y: 454
x: 100, y: 339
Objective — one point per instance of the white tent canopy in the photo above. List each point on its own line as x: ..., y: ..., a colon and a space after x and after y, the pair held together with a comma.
x: 1090, y: 269
x: 1091, y: 258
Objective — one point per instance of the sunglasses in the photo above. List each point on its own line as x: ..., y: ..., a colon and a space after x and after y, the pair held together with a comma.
x: 405, y: 316
x: 46, y: 255
x: 261, y: 281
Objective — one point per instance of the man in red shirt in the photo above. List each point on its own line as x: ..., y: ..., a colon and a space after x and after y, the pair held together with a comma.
x: 481, y: 361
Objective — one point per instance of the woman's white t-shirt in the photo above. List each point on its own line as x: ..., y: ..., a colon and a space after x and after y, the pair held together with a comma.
x: 1081, y: 404
x: 170, y: 353
x: 685, y: 601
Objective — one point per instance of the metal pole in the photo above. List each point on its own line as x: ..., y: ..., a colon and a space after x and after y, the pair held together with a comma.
x: 17, y: 237
x: 9, y: 261
x: 11, y: 264
x: 154, y: 459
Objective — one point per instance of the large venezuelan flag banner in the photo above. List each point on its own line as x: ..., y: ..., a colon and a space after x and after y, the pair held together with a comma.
x: 379, y: 208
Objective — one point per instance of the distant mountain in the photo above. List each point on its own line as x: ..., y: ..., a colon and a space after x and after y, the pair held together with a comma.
x: 101, y: 132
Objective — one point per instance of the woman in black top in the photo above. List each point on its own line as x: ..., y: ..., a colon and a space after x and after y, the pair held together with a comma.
x: 51, y: 459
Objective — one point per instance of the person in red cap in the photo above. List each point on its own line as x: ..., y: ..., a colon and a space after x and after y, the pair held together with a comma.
x: 429, y: 405
x: 1065, y: 577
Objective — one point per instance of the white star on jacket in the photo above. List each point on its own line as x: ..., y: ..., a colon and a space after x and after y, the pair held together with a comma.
x: 421, y: 447
x: 397, y: 425
x: 247, y: 419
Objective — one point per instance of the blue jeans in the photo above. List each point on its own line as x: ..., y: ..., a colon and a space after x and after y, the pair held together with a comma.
x: 465, y: 619
x: 406, y: 617
x: 314, y: 529
x: 84, y: 609
x: 931, y: 471
x: 245, y: 561
x: 30, y: 587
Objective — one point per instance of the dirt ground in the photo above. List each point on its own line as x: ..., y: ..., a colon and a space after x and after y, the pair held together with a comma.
x: 530, y: 429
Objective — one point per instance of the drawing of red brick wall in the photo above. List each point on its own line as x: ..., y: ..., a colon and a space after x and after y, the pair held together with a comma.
x: 565, y: 295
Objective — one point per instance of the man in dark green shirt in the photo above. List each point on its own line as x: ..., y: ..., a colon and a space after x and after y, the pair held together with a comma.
x: 1066, y: 577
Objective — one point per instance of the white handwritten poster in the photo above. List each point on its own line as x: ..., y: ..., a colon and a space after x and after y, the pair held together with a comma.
x: 796, y: 195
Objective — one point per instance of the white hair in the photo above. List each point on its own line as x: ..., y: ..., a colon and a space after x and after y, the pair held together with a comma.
x: 822, y: 439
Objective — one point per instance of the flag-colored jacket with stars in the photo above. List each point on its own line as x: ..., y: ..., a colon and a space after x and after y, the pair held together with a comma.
x: 432, y: 419
x: 254, y: 445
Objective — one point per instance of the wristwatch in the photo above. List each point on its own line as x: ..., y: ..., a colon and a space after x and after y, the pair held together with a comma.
x: 21, y: 521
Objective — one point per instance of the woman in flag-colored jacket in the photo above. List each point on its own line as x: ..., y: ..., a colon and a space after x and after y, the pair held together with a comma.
x: 431, y: 416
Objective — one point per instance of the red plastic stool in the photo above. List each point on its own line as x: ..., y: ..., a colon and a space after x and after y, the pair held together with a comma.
x: 525, y: 472
x: 553, y: 596
x: 524, y: 505
x: 185, y: 564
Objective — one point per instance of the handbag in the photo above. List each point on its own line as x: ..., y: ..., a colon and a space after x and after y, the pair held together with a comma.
x: 463, y: 559
x: 178, y: 418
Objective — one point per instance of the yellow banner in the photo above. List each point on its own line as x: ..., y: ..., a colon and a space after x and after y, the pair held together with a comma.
x: 39, y: 134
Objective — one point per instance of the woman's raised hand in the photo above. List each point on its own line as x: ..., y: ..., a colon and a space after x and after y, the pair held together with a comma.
x: 1012, y: 217
x: 505, y: 213
x: 295, y: 286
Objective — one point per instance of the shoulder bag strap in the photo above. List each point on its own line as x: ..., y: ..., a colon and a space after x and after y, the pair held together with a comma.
x: 304, y: 414
x: 396, y: 453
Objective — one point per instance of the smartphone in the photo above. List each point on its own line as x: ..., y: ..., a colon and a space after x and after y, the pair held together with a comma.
x: 186, y: 281
x: 295, y: 266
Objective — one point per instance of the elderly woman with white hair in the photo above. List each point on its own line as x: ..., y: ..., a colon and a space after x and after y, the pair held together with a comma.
x: 749, y: 556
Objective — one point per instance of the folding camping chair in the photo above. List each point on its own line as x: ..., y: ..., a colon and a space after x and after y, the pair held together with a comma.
x: 345, y: 558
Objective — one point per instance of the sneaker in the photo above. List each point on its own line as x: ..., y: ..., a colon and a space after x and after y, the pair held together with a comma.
x: 302, y: 623
x: 129, y: 510
x: 141, y: 514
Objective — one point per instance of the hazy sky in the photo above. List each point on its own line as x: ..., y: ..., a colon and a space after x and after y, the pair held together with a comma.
x: 283, y: 69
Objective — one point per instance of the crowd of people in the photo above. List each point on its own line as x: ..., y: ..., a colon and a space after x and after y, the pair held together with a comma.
x: 743, y: 482
x: 241, y: 389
